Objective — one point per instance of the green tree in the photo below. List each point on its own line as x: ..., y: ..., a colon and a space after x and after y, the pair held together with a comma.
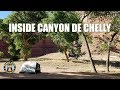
x: 24, y: 40
x: 86, y: 14
x: 95, y: 14
x: 6, y: 37
x: 115, y: 16
x: 68, y: 17
x: 63, y: 39
x: 116, y: 29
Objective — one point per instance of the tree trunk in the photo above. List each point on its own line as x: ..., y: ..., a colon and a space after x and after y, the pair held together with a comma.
x: 25, y: 57
x: 65, y: 51
x: 25, y: 46
x: 109, y: 47
x: 91, y: 60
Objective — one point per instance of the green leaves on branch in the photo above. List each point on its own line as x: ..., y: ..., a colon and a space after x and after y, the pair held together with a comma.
x: 63, y: 39
x: 116, y: 24
x: 1, y: 54
x: 21, y: 42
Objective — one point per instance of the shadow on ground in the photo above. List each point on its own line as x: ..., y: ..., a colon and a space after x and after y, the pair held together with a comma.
x: 62, y: 75
x: 100, y: 62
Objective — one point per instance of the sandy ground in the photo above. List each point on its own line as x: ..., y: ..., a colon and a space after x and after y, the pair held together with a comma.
x: 54, y: 66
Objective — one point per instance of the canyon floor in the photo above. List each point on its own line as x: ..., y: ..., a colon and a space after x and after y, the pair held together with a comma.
x: 55, y: 66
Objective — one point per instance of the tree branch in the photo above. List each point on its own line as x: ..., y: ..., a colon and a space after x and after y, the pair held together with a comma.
x: 30, y: 37
x: 86, y: 16
x: 113, y: 36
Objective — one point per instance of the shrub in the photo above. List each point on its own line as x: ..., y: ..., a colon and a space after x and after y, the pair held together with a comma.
x: 1, y: 54
x: 104, y: 47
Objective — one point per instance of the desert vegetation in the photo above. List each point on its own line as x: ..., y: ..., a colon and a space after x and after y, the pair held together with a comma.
x: 98, y: 50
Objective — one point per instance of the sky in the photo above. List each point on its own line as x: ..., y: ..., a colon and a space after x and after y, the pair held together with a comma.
x: 4, y: 14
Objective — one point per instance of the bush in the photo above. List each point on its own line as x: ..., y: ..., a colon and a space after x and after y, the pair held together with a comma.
x: 1, y: 54
x: 14, y: 54
x: 104, y: 47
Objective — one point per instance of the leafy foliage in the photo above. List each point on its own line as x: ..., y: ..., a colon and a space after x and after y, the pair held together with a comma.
x: 104, y: 46
x: 63, y: 39
x: 116, y: 24
x: 21, y: 42
x: 6, y: 37
x: 1, y: 54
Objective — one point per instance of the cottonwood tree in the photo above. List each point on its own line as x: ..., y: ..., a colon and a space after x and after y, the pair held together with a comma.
x: 6, y: 37
x: 58, y: 37
x: 63, y: 39
x: 115, y: 27
x: 95, y: 14
x: 24, y: 40
x: 115, y: 17
x: 86, y: 14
